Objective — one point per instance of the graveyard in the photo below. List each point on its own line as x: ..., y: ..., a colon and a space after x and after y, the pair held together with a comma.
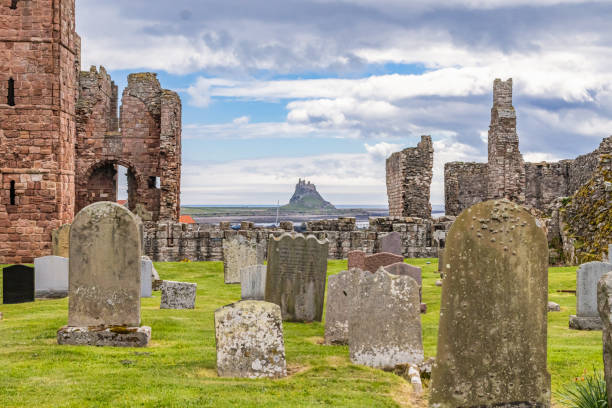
x: 178, y: 367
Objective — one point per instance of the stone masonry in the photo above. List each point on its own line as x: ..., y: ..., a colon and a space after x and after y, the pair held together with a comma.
x: 409, y: 175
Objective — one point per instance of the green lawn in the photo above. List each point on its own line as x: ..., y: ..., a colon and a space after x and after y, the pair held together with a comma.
x: 178, y: 369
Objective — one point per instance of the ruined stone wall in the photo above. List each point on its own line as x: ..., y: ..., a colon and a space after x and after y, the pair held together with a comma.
x: 38, y: 52
x: 465, y: 184
x: 409, y: 175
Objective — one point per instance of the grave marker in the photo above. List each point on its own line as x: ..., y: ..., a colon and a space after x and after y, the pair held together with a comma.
x: 17, y: 284
x: 51, y: 276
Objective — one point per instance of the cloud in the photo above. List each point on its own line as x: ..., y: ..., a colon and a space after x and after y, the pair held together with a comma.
x: 381, y: 151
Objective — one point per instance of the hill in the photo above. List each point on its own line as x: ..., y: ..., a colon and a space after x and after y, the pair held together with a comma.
x: 306, y: 196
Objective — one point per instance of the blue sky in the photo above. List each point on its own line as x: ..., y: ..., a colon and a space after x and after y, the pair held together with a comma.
x: 325, y: 90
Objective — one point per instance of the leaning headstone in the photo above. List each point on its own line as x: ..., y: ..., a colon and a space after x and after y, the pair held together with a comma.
x: 391, y: 243
x: 178, y: 295
x: 385, y: 321
x: 146, y: 277
x: 249, y: 337
x: 587, y: 276
x: 238, y: 253
x: 404, y: 269
x: 493, y: 314
x: 341, y: 290
x: 371, y: 263
x: 61, y: 241
x: 295, y: 279
x: 253, y: 282
x: 51, y: 277
x: 17, y: 284
x: 604, y: 306
x: 104, y: 290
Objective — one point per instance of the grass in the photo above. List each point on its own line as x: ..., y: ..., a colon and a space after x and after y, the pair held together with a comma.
x: 178, y: 369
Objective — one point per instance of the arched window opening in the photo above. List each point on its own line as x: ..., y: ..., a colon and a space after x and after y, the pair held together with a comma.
x: 14, y: 4
x: 12, y: 192
x: 11, y: 92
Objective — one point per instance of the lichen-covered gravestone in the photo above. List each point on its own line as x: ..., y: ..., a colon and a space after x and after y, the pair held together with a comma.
x: 341, y: 293
x: 104, y: 281
x: 404, y: 269
x: 587, y: 276
x: 253, y: 282
x: 250, y: 342
x: 178, y: 295
x: 238, y: 253
x: 385, y: 321
x: 61, y: 241
x: 604, y: 306
x: 371, y: 263
x: 391, y: 243
x: 493, y: 314
x: 51, y: 276
x: 295, y: 279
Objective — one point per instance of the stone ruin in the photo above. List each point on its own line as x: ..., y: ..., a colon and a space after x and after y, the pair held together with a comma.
x: 62, y: 139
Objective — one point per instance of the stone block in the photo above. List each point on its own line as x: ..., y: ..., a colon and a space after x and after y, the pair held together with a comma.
x: 585, y: 323
x: 341, y: 293
x: 253, y: 282
x: 51, y: 277
x: 238, y: 253
x: 249, y: 340
x: 146, y: 278
x: 118, y: 336
x: 553, y: 307
x: 178, y: 295
x: 587, y: 277
x: 391, y: 243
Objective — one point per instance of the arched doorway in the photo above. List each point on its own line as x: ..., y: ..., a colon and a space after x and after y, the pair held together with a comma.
x: 100, y: 183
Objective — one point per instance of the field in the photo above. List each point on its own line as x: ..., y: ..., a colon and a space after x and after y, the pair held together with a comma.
x: 178, y: 369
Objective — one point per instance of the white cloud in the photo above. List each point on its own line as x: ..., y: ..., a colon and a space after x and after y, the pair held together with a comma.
x: 381, y: 151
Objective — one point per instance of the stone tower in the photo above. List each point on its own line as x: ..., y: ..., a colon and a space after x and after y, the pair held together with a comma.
x: 506, y: 172
x: 40, y: 53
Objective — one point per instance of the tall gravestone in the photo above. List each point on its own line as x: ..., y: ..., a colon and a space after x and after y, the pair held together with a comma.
x: 385, y: 321
x: 238, y: 253
x: 253, y: 282
x: 587, y: 276
x: 61, y: 241
x: 17, y: 284
x: 295, y: 279
x: 341, y: 293
x: 391, y: 243
x: 146, y: 277
x: 51, y: 276
x: 493, y: 314
x: 604, y: 306
x: 104, y: 282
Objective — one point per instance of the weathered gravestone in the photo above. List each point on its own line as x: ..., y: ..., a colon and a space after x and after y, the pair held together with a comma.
x: 341, y: 293
x: 249, y: 337
x: 146, y: 277
x: 610, y: 253
x: 404, y: 269
x: 253, y: 282
x: 238, y: 253
x: 441, y: 260
x: 178, y: 295
x: 391, y: 243
x: 587, y: 276
x: 17, y: 284
x: 385, y: 321
x: 493, y: 314
x: 104, y: 289
x: 371, y: 263
x: 295, y: 279
x: 604, y: 306
x: 51, y: 276
x: 60, y: 239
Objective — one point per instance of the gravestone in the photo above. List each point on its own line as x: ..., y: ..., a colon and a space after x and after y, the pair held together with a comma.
x: 391, y: 243
x: 146, y: 277
x: 238, y: 253
x: 493, y: 314
x: 371, y: 263
x: 253, y: 282
x: 604, y: 306
x: 17, y: 284
x: 60, y: 239
x: 587, y: 276
x: 51, y: 277
x: 404, y: 269
x: 178, y: 295
x: 104, y: 287
x: 341, y: 290
x: 296, y: 274
x: 610, y: 253
x: 249, y: 337
x: 385, y: 321
x: 441, y: 260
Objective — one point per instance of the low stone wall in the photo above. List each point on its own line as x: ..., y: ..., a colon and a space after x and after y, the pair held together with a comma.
x: 171, y: 242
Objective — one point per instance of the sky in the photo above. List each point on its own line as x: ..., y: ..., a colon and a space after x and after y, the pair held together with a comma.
x: 278, y: 90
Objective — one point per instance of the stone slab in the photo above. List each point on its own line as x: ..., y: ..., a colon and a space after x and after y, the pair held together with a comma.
x: 60, y: 239
x: 104, y: 336
x: 253, y: 282
x: 587, y: 276
x: 249, y: 340
x: 105, y: 251
x: 341, y: 293
x: 146, y: 278
x: 178, y: 295
x: 238, y: 253
x: 296, y: 275
x: 493, y: 314
x: 391, y: 243
x: 585, y: 323
x: 17, y: 284
x: 51, y: 277
x: 404, y: 269
x: 385, y: 321
x: 371, y: 263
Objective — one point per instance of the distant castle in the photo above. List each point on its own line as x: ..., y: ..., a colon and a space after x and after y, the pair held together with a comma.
x: 306, y: 196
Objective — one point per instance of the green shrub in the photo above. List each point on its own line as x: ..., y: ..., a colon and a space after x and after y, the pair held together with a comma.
x: 588, y: 391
